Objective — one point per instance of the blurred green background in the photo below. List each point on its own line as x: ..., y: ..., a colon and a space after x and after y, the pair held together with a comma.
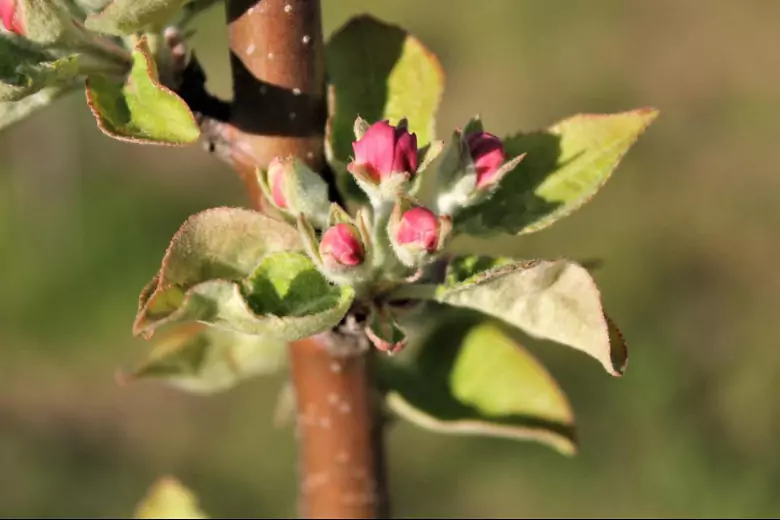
x: 687, y: 229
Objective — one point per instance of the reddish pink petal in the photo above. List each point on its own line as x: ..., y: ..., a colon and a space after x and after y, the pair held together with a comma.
x: 9, y: 16
x: 405, y: 159
x: 377, y: 147
x: 276, y: 180
x: 341, y: 245
x: 419, y: 226
x: 487, y: 152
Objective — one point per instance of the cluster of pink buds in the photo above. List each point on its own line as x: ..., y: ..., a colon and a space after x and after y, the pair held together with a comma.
x: 399, y: 235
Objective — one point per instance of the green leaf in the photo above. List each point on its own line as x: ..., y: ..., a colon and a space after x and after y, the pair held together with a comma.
x: 25, y: 70
x: 141, y: 110
x: 471, y: 378
x: 551, y: 300
x: 14, y: 111
x: 168, y: 498
x: 31, y: 78
x: 123, y: 17
x: 564, y: 167
x: 216, y: 244
x: 286, y: 298
x: 379, y: 71
x: 289, y: 284
x: 202, y: 359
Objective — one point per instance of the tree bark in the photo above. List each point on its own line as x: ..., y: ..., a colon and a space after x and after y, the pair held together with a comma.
x: 278, y: 65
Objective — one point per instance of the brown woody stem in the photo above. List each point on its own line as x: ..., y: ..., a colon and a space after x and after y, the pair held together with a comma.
x: 278, y: 64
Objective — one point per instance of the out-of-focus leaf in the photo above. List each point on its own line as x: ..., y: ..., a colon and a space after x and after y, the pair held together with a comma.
x: 202, y: 359
x: 470, y: 378
x: 14, y: 111
x: 169, y: 498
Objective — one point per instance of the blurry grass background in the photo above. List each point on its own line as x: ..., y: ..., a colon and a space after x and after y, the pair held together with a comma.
x: 687, y: 229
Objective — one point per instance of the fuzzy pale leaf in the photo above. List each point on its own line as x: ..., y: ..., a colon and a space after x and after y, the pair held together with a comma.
x: 471, y: 378
x: 551, y: 300
x: 202, y: 359
x: 217, y: 244
x: 124, y: 17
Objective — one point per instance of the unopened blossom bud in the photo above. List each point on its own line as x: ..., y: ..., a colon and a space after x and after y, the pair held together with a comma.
x: 385, y: 149
x: 276, y: 180
x: 341, y: 247
x: 420, y: 228
x: 487, y: 152
x: 10, y: 16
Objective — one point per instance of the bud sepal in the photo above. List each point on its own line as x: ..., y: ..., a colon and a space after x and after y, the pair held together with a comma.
x: 293, y: 188
x: 343, y: 253
x: 472, y: 168
x: 384, y: 332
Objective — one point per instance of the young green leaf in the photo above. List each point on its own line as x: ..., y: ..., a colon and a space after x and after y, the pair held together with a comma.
x: 141, y: 110
x: 286, y: 297
x: 25, y: 69
x: 379, y: 71
x: 471, y: 378
x: 169, y: 498
x: 564, y: 167
x: 289, y: 284
x: 219, y: 243
x: 551, y: 300
x: 30, y: 78
x: 202, y: 359
x: 123, y: 17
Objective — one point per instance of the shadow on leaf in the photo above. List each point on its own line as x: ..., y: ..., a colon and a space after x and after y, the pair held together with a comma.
x: 470, y: 378
x: 515, y: 204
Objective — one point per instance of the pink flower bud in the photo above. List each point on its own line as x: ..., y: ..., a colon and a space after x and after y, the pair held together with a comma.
x: 10, y: 16
x: 487, y: 152
x: 419, y: 227
x: 276, y: 179
x: 386, y: 149
x: 341, y: 246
